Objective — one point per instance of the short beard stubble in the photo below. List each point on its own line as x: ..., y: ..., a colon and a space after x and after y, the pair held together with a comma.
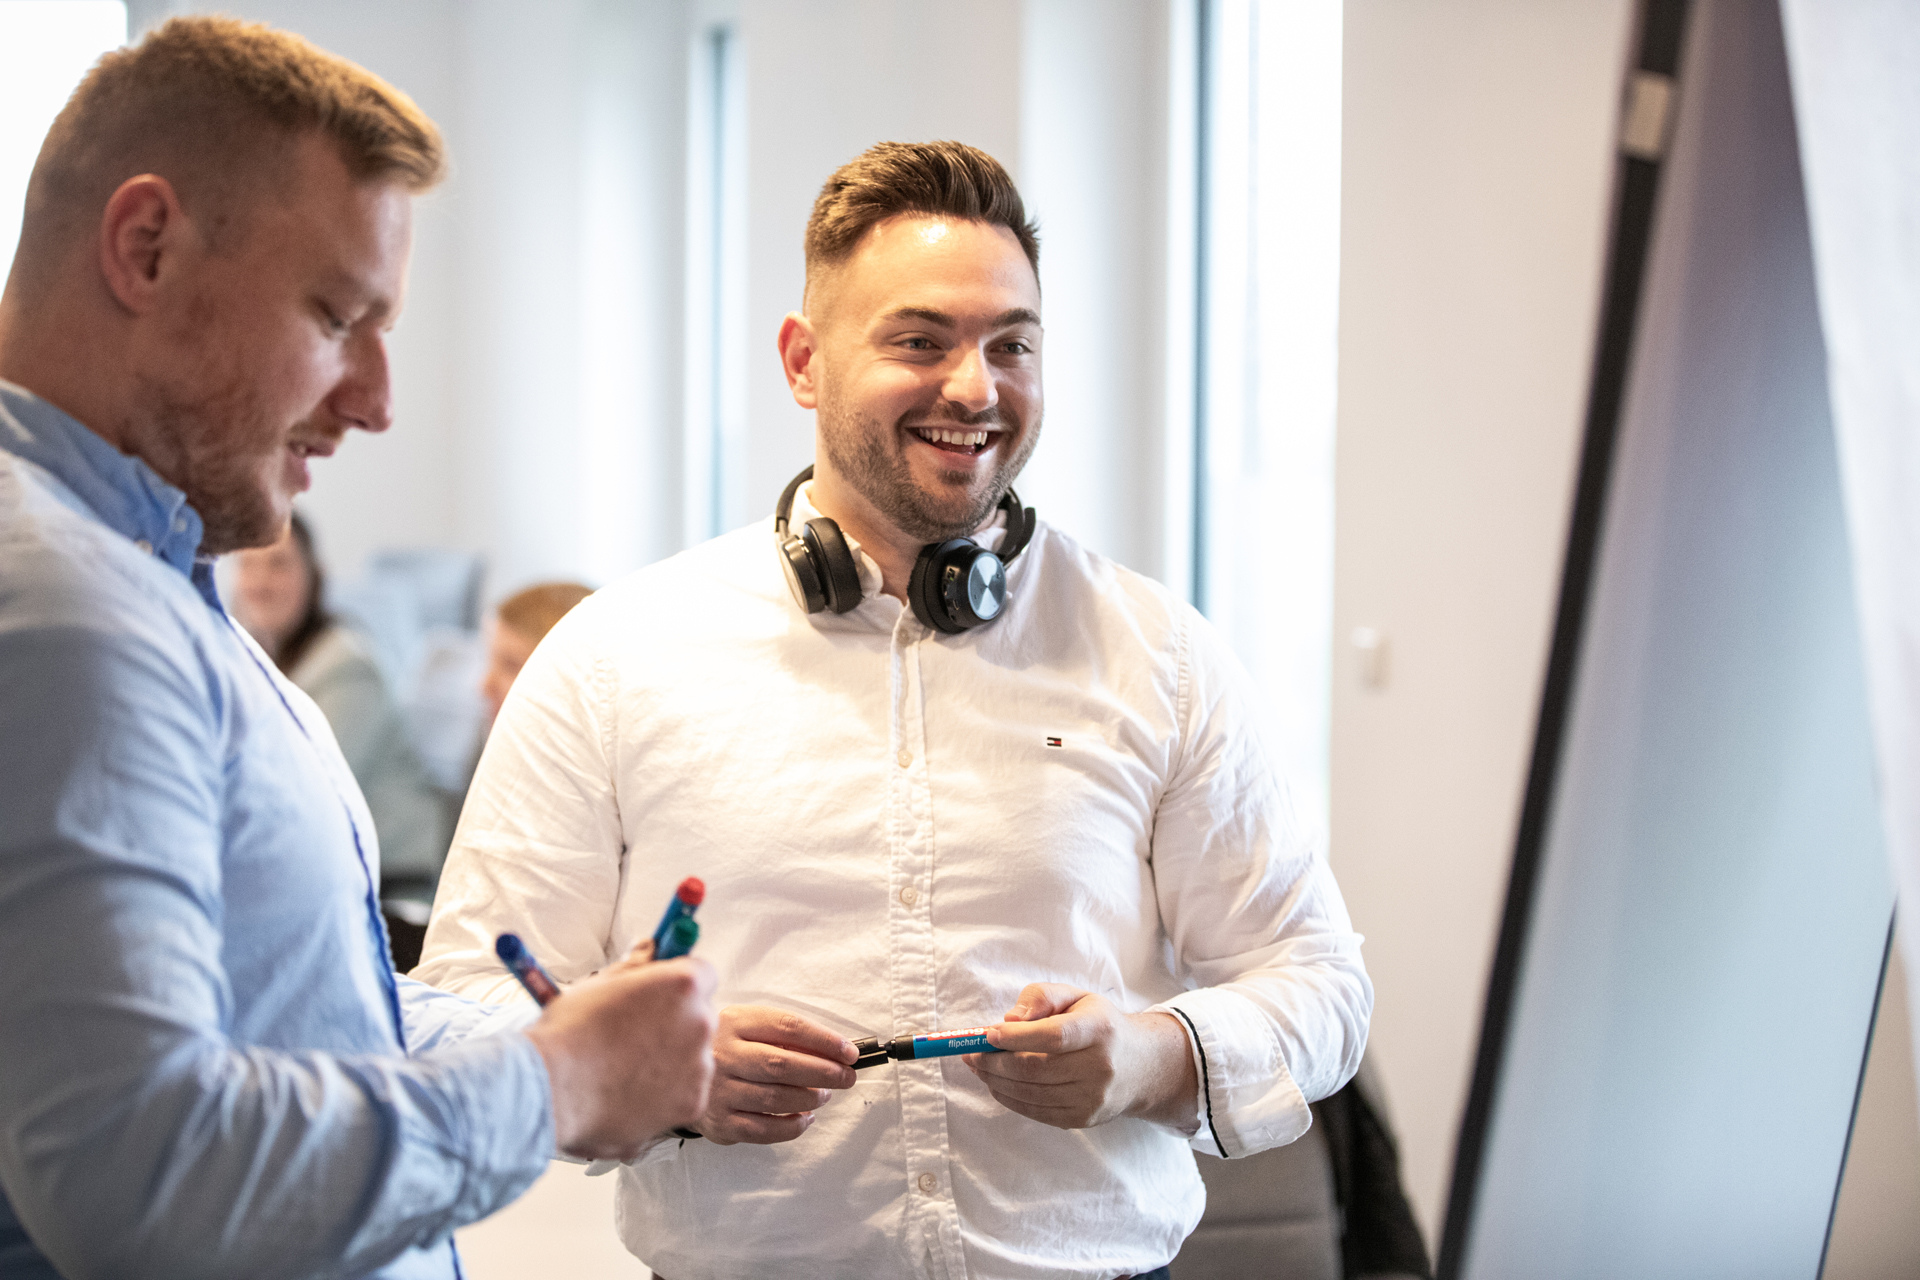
x: 209, y: 448
x: 857, y: 448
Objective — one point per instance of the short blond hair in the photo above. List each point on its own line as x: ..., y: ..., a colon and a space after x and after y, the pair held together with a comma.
x: 214, y: 106
x: 531, y: 613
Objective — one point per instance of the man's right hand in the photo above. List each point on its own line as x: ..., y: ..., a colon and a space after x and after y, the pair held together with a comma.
x: 629, y: 1053
x: 772, y: 1068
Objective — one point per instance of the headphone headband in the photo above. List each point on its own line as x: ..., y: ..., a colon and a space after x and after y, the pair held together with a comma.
x: 956, y: 584
x: 784, y: 507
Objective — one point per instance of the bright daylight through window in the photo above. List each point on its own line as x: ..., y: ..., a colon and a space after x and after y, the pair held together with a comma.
x: 45, y: 47
x: 1268, y: 310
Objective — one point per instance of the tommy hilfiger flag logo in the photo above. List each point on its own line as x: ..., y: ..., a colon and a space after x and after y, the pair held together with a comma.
x: 1055, y: 742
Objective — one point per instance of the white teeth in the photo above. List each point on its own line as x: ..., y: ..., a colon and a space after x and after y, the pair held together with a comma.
x: 954, y: 437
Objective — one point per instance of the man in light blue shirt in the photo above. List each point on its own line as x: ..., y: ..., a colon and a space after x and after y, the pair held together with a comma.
x: 207, y: 1065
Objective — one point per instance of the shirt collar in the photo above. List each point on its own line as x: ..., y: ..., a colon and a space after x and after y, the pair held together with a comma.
x: 120, y: 491
x: 988, y: 535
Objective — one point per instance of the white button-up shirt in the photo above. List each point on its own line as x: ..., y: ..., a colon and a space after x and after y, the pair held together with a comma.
x: 898, y: 831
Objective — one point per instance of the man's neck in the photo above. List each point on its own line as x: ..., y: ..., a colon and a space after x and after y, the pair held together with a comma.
x: 51, y: 360
x: 894, y: 551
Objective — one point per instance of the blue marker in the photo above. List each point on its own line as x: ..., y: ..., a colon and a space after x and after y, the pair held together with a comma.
x: 678, y: 930
x: 539, y: 983
x: 935, y: 1044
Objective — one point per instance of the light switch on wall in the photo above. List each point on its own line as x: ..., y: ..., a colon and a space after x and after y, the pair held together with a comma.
x: 1370, y: 645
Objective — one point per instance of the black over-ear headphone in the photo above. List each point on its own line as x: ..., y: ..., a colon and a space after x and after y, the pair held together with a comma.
x: 956, y: 585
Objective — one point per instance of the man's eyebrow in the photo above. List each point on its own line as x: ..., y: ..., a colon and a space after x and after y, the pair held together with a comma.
x: 345, y: 285
x: 1006, y: 319
x: 927, y: 314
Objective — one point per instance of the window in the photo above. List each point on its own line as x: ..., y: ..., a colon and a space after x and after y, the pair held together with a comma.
x: 1266, y: 319
x: 45, y: 47
x: 716, y: 284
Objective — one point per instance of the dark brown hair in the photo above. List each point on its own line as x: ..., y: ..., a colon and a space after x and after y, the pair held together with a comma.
x: 949, y: 179
x: 213, y: 105
x: 314, y: 618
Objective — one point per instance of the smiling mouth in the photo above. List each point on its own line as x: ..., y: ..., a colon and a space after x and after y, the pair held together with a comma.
x: 962, y: 440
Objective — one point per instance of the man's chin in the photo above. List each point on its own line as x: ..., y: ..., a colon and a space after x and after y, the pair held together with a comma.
x: 940, y: 522
x: 230, y: 527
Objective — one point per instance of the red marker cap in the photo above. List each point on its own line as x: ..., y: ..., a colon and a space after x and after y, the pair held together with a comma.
x: 692, y: 891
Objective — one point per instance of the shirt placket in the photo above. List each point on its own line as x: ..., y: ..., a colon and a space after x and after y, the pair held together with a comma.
x: 916, y: 1007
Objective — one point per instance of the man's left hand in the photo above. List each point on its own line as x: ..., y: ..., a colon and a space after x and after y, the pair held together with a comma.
x: 1074, y: 1060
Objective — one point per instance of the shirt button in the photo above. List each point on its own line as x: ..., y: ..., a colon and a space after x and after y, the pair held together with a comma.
x: 909, y: 895
x: 179, y: 524
x: 146, y: 548
x: 929, y: 1183
x: 905, y: 757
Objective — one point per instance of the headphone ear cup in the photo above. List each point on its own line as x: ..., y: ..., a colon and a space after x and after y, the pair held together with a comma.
x: 839, y: 574
x: 928, y: 588
x: 923, y: 589
x: 802, y: 578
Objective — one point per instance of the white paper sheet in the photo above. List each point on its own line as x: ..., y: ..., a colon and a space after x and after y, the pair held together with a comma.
x: 1856, y: 81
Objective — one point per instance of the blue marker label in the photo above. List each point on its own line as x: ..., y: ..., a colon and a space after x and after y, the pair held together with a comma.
x: 538, y: 982
x: 945, y: 1044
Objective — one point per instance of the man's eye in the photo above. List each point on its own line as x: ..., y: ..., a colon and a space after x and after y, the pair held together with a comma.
x: 917, y: 344
x: 332, y: 319
x: 1018, y: 347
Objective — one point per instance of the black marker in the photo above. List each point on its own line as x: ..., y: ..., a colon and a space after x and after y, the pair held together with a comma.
x: 935, y: 1044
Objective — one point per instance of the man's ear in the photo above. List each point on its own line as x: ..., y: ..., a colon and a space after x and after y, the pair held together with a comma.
x: 142, y: 227
x: 798, y: 348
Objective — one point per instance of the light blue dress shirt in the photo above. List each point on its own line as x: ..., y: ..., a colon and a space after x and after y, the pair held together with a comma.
x: 207, y: 1065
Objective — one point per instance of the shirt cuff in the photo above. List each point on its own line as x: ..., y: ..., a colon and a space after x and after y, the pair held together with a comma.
x: 501, y: 1104
x: 1248, y: 1099
x: 657, y: 1151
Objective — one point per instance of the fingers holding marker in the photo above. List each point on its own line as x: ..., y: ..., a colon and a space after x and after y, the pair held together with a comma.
x: 777, y: 1047
x: 1044, y: 1000
x: 772, y: 1069
x: 627, y: 1054
x: 1068, y: 1032
x: 776, y: 1099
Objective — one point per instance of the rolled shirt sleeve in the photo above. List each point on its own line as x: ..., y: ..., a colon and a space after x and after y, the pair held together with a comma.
x: 1279, y: 1013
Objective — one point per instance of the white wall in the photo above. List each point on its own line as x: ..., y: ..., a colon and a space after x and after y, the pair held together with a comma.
x: 1477, y: 171
x: 1876, y: 1220
x: 1093, y: 169
x: 568, y: 138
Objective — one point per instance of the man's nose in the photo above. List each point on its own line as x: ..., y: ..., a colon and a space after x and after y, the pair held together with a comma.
x: 364, y: 398
x: 970, y: 384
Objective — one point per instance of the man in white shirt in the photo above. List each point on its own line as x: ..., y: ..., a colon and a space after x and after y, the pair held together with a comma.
x: 927, y: 789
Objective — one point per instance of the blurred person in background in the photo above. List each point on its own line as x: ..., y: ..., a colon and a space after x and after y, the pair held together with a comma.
x: 519, y: 624
x: 279, y: 596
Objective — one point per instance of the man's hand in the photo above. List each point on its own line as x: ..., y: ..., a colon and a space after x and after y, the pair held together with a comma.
x: 772, y: 1069
x: 629, y: 1053
x: 1074, y: 1060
